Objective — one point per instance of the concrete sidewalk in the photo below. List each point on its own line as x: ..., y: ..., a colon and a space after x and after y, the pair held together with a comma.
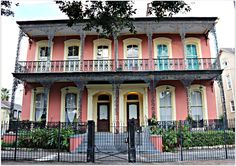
x: 194, y: 162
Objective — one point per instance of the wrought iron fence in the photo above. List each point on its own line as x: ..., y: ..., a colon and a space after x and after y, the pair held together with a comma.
x: 159, y: 141
x: 122, y: 65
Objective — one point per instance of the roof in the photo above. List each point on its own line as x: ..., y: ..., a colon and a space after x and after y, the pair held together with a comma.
x: 7, y: 105
x: 136, y: 19
x: 228, y: 50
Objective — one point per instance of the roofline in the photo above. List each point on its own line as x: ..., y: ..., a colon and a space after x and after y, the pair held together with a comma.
x: 135, y: 19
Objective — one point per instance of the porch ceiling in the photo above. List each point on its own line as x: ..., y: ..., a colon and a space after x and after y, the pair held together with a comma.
x: 174, y: 25
x: 117, y: 76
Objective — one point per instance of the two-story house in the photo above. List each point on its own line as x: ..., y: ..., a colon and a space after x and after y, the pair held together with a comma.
x: 165, y: 70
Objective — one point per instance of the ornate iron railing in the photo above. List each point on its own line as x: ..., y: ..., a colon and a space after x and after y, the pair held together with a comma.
x: 122, y: 65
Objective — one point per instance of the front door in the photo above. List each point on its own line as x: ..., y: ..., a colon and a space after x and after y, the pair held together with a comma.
x: 103, y: 117
x: 133, y: 112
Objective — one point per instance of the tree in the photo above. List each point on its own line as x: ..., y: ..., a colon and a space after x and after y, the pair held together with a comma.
x: 5, y: 94
x: 110, y: 17
x: 6, y: 8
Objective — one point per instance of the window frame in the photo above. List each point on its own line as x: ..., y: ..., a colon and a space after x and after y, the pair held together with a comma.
x: 39, y: 44
x: 70, y: 43
x: 76, y: 105
x: 132, y: 41
x: 162, y: 41
x: 193, y: 41
x: 228, y: 80
x: 101, y: 42
x: 231, y: 106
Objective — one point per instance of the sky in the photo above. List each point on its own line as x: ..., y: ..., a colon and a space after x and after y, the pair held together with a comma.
x: 48, y: 10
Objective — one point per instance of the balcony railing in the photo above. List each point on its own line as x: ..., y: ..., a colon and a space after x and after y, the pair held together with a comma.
x: 122, y: 65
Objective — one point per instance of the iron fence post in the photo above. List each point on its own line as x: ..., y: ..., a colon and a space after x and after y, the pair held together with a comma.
x: 131, y: 141
x: 225, y: 138
x: 16, y: 139
x: 59, y: 141
x: 91, y: 141
x: 181, y: 140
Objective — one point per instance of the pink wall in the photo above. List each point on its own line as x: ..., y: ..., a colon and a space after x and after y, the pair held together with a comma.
x: 177, y: 46
x: 26, y: 102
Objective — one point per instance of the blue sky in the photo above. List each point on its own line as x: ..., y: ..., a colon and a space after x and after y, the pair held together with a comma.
x: 47, y: 10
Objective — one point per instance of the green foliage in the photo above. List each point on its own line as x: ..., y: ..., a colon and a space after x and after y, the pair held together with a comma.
x: 7, y: 145
x: 110, y: 17
x: 6, y: 8
x: 45, y: 138
x: 5, y: 94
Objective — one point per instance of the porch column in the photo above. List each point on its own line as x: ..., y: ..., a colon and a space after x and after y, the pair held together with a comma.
x: 116, y: 47
x: 187, y: 86
x: 16, y: 82
x: 152, y: 83
x: 50, y: 38
x: 80, y: 86
x: 149, y: 35
x: 46, y: 86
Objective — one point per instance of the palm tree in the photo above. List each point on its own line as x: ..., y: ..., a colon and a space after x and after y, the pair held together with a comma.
x: 5, y: 94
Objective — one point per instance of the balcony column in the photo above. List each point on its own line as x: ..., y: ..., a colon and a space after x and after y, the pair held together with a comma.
x: 82, y: 39
x: 187, y: 87
x: 182, y: 35
x: 80, y: 85
x: 46, y: 86
x: 116, y: 47
x: 50, y: 38
x: 16, y: 82
x: 149, y: 35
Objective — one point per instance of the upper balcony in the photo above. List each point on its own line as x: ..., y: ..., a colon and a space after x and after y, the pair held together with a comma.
x: 121, y: 65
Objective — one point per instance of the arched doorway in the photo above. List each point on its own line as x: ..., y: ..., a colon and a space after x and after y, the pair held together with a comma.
x: 103, y: 113
x: 133, y: 109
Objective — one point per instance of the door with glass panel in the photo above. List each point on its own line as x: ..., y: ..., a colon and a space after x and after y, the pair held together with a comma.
x: 40, y: 112
x: 197, y: 108
x: 102, y: 62
x: 70, y: 107
x: 131, y: 62
x: 162, y: 57
x: 72, y: 63
x: 133, y: 112
x: 43, y: 64
x: 192, y: 58
x: 165, y: 106
x: 103, y: 123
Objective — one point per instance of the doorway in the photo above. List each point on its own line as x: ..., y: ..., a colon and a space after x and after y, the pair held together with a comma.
x: 103, y: 113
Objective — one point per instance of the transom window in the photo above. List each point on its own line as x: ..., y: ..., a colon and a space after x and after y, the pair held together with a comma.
x: 39, y: 107
x: 162, y: 50
x: 73, y: 51
x: 70, y: 107
x: 191, y: 50
x: 43, y: 52
x: 132, y: 51
x: 103, y: 98
x: 132, y: 97
x: 102, y: 52
x: 165, y: 106
x: 196, y: 105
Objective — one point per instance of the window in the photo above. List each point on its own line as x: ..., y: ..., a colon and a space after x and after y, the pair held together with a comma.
x: 73, y: 51
x: 40, y: 114
x: 232, y: 106
x: 103, y: 98
x: 132, y: 97
x: 70, y: 107
x: 191, y: 50
x: 228, y: 81
x: 132, y: 51
x: 162, y: 50
x: 43, y: 52
x: 102, y: 52
x: 165, y: 106
x: 224, y: 64
x: 196, y: 106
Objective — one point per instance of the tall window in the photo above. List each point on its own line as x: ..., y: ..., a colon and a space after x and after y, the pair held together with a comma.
x: 162, y: 51
x: 43, y: 52
x: 73, y: 51
x: 165, y: 106
x: 132, y: 51
x: 39, y: 107
x: 228, y: 81
x: 196, y: 105
x: 102, y: 52
x: 232, y: 106
x: 191, y: 50
x: 70, y: 107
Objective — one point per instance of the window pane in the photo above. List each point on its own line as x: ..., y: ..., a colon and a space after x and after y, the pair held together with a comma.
x: 102, y: 52
x: 191, y: 50
x: 103, y: 112
x: 71, y: 108
x: 103, y: 97
x: 162, y: 50
x: 132, y: 97
x: 196, y: 105
x: 165, y: 106
x: 132, y: 51
x: 73, y: 51
x: 133, y: 111
x: 44, y: 52
x: 39, y: 106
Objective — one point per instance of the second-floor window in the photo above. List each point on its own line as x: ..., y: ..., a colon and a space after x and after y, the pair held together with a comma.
x: 228, y: 81
x: 191, y: 51
x: 162, y: 51
x: 102, y: 52
x: 232, y: 106
x: 43, y: 52
x: 73, y: 51
x: 132, y: 51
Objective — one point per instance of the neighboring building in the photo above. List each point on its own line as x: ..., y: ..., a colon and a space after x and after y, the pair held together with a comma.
x: 227, y: 59
x: 164, y: 70
x: 5, y: 111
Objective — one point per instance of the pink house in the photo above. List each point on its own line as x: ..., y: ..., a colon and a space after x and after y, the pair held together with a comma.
x: 165, y: 70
